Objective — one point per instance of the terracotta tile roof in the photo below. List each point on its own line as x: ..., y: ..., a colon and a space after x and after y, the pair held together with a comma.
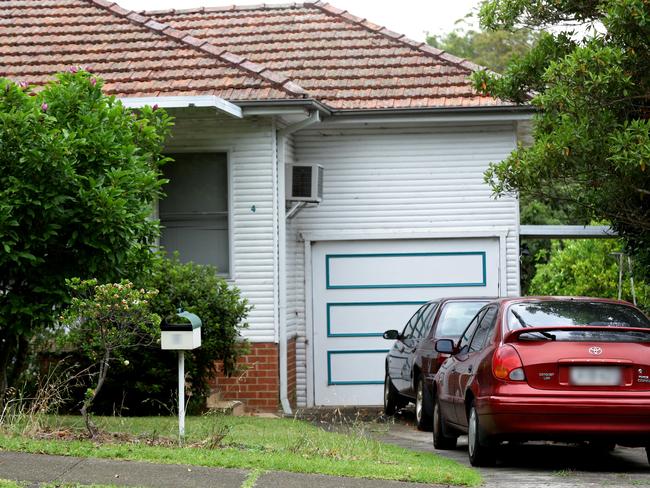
x: 264, y: 52
x: 134, y: 54
x: 341, y: 60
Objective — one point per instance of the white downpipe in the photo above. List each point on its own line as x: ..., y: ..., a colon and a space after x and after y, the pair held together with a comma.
x: 314, y: 117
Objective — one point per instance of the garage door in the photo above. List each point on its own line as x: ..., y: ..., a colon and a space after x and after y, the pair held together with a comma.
x: 362, y: 288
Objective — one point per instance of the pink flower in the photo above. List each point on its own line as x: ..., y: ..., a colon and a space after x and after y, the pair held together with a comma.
x: 93, y: 81
x: 23, y: 84
x: 44, y: 107
x: 155, y: 107
x: 73, y: 69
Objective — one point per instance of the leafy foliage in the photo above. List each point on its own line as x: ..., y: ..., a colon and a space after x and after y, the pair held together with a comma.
x: 78, y: 176
x: 491, y: 49
x: 104, y: 320
x: 586, y: 267
x: 222, y: 310
x: 198, y: 289
x: 592, y: 133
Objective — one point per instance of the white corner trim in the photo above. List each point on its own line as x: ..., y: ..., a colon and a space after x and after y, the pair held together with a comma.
x: 182, y: 102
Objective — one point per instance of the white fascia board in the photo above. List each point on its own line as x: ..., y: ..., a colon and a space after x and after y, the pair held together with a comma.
x: 451, y: 117
x: 442, y: 233
x: 183, y: 102
x: 566, y: 231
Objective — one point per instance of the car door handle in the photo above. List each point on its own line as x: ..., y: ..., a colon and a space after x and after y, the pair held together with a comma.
x: 469, y: 370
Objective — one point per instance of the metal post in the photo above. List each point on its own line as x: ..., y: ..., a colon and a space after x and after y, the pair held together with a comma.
x: 181, y: 394
x: 629, y: 267
x: 620, y: 275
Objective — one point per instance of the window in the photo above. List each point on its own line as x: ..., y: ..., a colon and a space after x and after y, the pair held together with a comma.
x: 410, y: 330
x: 194, y: 212
x: 454, y: 318
x: 463, y: 345
x: 427, y: 319
x: 485, y: 326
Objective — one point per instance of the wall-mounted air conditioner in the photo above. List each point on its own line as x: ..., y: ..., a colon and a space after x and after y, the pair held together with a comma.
x: 304, y: 183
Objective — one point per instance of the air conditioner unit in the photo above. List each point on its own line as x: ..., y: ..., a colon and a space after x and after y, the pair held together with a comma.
x: 304, y: 183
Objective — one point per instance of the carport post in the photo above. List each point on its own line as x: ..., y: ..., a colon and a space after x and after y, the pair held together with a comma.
x: 181, y: 395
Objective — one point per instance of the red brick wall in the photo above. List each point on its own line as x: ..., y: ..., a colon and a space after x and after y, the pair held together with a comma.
x: 291, y: 371
x: 257, y: 385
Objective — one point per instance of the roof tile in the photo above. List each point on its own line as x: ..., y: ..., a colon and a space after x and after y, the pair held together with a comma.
x: 239, y: 53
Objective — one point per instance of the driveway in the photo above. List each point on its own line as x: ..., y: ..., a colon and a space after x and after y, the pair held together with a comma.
x: 536, y: 465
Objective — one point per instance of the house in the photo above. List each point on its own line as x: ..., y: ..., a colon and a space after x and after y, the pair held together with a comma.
x: 262, y: 92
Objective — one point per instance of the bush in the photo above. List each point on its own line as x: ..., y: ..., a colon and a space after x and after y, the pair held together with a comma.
x: 197, y: 289
x: 586, y: 267
x: 103, y: 321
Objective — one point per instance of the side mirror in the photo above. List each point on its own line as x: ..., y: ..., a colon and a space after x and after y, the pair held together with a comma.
x: 445, y: 346
x: 391, y: 335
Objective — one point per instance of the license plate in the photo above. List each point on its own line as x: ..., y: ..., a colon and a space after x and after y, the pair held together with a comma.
x: 595, y: 376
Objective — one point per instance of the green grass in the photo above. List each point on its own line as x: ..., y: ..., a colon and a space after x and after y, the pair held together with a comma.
x: 250, y: 443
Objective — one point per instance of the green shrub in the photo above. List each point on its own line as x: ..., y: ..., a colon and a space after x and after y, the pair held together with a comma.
x: 148, y: 384
x: 586, y: 267
x: 198, y: 289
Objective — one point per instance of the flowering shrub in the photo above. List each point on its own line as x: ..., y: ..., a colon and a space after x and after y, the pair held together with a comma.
x: 105, y: 320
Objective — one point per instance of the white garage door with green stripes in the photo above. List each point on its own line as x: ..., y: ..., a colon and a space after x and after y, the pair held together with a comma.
x: 362, y: 288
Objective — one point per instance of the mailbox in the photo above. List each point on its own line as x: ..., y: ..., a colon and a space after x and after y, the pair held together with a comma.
x: 181, y: 335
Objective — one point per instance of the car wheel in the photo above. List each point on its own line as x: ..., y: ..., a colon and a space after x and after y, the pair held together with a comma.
x: 440, y: 440
x: 391, y: 397
x: 480, y: 453
x: 647, y: 454
x: 422, y: 406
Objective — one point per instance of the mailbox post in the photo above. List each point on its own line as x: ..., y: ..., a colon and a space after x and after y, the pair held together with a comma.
x: 181, y: 336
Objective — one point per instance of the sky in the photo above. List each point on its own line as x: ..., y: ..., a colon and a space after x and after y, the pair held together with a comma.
x: 411, y: 17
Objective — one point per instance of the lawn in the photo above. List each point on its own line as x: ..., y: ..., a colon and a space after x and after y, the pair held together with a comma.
x: 240, y: 442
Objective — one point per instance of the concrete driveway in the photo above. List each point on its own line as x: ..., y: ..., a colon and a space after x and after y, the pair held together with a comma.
x: 536, y: 465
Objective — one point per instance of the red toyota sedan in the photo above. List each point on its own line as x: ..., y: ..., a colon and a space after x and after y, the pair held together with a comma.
x: 545, y: 368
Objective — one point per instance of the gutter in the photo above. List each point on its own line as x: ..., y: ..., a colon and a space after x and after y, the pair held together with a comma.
x: 282, y: 134
x: 211, y: 101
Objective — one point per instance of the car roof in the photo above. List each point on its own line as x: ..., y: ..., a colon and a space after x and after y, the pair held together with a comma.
x: 532, y: 299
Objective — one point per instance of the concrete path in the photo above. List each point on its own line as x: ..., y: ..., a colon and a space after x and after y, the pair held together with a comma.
x: 537, y: 465
x: 39, y: 468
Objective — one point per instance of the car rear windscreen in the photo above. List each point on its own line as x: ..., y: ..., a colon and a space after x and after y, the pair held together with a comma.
x: 579, y: 313
x: 454, y: 318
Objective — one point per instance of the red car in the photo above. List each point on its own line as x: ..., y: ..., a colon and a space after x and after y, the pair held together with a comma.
x: 545, y: 368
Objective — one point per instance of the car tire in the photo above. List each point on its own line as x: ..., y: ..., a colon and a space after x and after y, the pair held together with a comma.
x: 392, y: 400
x: 480, y: 452
x: 647, y: 454
x: 440, y: 439
x: 422, y: 406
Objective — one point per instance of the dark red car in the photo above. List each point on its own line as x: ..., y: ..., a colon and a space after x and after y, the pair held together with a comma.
x: 545, y: 368
x: 412, y: 362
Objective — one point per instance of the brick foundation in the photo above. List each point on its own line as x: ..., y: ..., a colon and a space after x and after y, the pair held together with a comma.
x: 257, y: 385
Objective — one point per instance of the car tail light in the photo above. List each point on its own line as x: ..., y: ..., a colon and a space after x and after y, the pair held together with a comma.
x: 506, y: 364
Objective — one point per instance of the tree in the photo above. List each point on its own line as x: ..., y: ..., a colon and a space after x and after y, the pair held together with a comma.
x: 491, y: 49
x: 103, y: 321
x: 592, y: 133
x: 78, y: 176
x: 586, y: 267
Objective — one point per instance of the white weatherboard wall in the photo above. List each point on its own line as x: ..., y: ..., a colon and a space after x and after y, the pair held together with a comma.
x: 250, y: 144
x: 408, y: 180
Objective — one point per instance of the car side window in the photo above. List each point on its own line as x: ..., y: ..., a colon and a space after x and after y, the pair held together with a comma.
x: 463, y: 345
x: 409, y: 329
x: 419, y: 324
x: 427, y: 319
x: 485, y: 326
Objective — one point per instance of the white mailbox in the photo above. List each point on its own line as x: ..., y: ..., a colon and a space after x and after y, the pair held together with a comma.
x: 181, y: 335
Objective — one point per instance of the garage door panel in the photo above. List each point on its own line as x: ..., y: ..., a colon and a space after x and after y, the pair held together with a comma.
x: 367, y: 319
x: 406, y: 270
x: 363, y: 288
x: 355, y: 367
